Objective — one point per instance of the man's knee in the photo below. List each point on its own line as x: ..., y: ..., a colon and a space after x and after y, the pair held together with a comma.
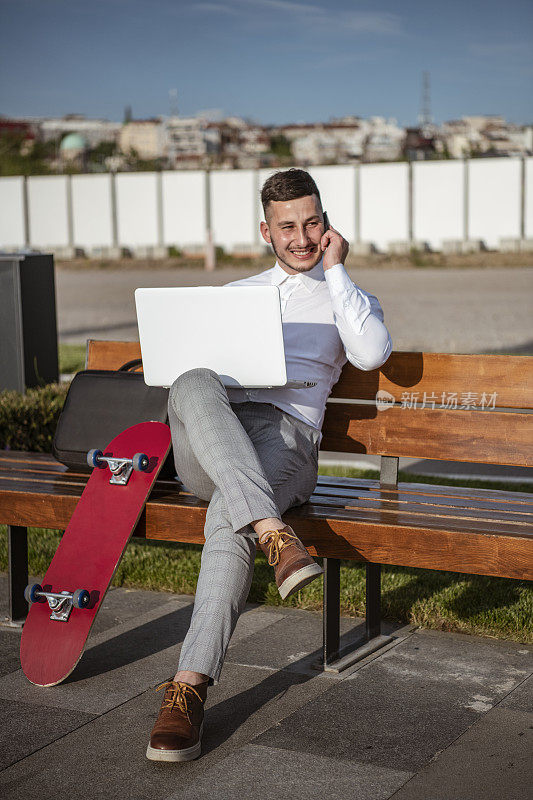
x: 219, y: 536
x: 190, y: 383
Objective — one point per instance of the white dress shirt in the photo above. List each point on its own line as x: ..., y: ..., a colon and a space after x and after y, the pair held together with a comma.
x: 326, y: 320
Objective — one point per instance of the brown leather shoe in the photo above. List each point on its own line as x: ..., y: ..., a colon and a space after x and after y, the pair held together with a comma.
x: 293, y: 566
x: 176, y: 736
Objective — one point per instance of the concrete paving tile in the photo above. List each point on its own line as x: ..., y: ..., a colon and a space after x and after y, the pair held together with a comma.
x: 109, y: 754
x: 4, y: 595
x: 255, y: 619
x: 492, y: 761
x: 266, y: 773
x: 521, y: 698
x: 25, y: 728
x: 379, y: 718
x: 505, y: 645
x: 486, y: 668
x: 294, y: 642
x: 9, y: 651
x: 121, y: 605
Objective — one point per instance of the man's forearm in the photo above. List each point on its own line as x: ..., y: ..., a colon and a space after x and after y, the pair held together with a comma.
x: 359, y: 320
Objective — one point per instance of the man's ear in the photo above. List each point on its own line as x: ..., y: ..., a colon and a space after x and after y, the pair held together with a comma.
x: 265, y: 232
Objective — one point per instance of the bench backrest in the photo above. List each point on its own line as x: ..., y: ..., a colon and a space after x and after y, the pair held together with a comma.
x: 434, y: 405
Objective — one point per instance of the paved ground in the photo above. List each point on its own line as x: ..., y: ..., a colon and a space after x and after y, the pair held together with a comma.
x: 429, y: 309
x: 436, y: 717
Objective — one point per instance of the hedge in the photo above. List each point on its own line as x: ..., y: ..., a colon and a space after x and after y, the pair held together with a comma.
x: 28, y: 421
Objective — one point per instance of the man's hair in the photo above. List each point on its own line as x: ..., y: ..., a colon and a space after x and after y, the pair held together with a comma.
x: 288, y: 185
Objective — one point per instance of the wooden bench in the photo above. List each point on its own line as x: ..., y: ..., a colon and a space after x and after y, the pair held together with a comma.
x: 466, y: 530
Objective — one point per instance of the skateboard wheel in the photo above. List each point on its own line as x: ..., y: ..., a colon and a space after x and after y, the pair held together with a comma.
x: 30, y: 592
x: 93, y: 458
x: 140, y: 462
x: 81, y: 598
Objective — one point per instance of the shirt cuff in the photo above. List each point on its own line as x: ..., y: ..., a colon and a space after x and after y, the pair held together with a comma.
x: 338, y: 280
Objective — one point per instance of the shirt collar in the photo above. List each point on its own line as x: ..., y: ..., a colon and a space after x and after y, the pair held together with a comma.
x: 309, y: 280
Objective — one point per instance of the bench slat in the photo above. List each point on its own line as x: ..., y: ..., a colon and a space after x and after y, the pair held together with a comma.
x: 434, y: 488
x: 404, y: 507
x: 509, y: 376
x: 110, y: 355
x: 490, y: 437
x: 457, y: 551
x: 413, y: 497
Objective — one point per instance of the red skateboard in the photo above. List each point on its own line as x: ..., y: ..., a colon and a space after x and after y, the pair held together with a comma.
x: 64, y: 607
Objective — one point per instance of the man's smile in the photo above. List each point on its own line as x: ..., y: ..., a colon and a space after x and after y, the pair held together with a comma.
x: 303, y: 252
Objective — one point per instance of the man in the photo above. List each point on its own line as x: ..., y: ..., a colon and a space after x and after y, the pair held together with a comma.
x: 254, y: 454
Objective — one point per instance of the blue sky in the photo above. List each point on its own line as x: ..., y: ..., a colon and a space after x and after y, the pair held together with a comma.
x: 271, y: 60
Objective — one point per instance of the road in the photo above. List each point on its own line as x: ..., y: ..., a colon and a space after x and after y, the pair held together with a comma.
x: 426, y: 309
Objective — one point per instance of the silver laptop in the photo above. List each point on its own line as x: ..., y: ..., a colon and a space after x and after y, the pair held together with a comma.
x: 234, y: 330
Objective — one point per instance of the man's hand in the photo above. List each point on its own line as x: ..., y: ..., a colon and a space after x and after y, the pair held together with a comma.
x: 334, y: 247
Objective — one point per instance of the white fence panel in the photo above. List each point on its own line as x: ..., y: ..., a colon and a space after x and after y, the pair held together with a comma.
x: 494, y: 199
x: 92, y: 211
x: 336, y: 185
x: 528, y: 201
x: 12, y: 213
x: 234, y: 219
x: 438, y: 201
x: 184, y: 208
x: 384, y: 204
x: 263, y: 175
x: 48, y: 211
x: 137, y: 209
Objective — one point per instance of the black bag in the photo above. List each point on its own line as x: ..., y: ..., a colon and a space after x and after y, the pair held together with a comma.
x: 99, y: 405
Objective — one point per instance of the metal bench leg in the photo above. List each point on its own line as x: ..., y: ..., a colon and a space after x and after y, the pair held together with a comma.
x: 17, y: 537
x: 331, y: 609
x: 335, y: 660
x: 373, y: 601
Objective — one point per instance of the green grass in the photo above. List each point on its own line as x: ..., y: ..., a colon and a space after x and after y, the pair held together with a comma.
x: 71, y: 358
x: 496, y: 607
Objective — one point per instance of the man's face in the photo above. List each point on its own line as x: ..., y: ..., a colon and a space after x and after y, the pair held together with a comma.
x: 294, y: 229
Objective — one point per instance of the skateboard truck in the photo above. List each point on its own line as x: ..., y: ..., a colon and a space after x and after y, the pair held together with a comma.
x: 121, y: 468
x: 61, y: 604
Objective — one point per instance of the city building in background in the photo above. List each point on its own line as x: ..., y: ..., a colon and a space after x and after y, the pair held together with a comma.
x: 189, y: 141
x: 94, y: 131
x: 74, y: 143
x: 143, y: 137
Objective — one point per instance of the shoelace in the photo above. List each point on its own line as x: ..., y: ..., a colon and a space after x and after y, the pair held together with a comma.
x: 276, y: 543
x: 178, y: 696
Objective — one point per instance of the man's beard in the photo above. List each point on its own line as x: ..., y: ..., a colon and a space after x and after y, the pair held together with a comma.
x: 298, y: 268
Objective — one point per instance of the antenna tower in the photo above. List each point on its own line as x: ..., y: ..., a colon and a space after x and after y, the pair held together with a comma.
x: 425, y: 118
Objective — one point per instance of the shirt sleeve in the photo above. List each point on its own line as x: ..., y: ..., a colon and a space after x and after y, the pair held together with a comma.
x: 359, y: 320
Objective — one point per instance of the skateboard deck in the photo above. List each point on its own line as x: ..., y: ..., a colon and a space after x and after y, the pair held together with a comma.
x: 56, y: 629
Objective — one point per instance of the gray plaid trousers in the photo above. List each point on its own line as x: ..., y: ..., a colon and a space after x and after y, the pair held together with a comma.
x: 251, y: 461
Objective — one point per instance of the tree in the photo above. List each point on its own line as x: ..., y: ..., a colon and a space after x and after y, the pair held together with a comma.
x: 280, y: 146
x: 12, y: 160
